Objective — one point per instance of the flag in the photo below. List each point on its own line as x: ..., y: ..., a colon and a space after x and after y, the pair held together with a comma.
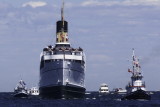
x: 129, y: 70
x: 21, y: 82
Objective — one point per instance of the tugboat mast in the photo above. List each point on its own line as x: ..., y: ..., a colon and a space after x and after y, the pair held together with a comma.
x: 136, y: 65
x: 133, y: 59
x: 136, y: 73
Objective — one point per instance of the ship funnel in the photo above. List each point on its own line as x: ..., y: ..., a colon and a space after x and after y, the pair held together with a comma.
x: 62, y: 28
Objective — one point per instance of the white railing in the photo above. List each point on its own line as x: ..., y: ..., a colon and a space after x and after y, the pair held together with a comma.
x: 71, y: 57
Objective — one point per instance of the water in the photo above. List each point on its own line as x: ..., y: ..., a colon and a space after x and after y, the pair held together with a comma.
x: 91, y: 100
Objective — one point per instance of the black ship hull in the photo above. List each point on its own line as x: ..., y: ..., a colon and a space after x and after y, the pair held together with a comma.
x: 137, y: 95
x: 21, y: 95
x: 62, y: 92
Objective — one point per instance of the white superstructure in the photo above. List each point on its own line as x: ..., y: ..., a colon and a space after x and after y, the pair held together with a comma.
x: 103, y: 88
x: 33, y: 91
x: 136, y: 78
x: 120, y: 90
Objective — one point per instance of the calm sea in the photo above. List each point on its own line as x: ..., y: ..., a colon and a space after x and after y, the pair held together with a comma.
x: 92, y: 99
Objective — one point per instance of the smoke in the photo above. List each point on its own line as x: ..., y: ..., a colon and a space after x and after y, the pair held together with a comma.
x: 155, y: 54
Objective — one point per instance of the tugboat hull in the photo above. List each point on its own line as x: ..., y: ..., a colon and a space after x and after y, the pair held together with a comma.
x: 139, y: 94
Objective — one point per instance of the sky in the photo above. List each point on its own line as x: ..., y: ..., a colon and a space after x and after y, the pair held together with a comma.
x: 107, y: 30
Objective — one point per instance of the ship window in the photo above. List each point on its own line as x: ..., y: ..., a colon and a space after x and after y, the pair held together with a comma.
x: 77, y: 53
x: 73, y: 53
x: 68, y: 63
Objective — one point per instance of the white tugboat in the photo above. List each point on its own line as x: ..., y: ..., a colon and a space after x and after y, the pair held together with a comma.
x: 103, y: 89
x: 136, y: 88
x: 21, y: 90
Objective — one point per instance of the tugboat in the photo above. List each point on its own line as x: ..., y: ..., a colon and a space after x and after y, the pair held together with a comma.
x: 104, y: 89
x: 21, y: 90
x: 136, y: 88
x: 62, y: 67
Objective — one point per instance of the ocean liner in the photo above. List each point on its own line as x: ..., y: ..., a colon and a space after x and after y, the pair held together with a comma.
x: 62, y: 68
x: 136, y: 88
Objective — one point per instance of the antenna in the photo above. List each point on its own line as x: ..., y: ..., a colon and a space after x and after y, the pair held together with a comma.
x: 133, y: 52
x: 133, y: 59
x: 62, y: 13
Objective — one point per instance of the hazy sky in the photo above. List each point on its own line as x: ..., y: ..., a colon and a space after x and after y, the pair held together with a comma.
x: 107, y: 30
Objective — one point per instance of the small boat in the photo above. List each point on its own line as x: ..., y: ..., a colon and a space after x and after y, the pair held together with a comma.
x: 136, y: 88
x: 21, y: 90
x: 120, y: 91
x: 103, y: 89
x: 33, y: 91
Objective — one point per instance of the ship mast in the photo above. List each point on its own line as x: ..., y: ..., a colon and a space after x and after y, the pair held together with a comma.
x: 136, y: 74
x: 133, y: 60
x: 62, y: 13
x: 135, y: 63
